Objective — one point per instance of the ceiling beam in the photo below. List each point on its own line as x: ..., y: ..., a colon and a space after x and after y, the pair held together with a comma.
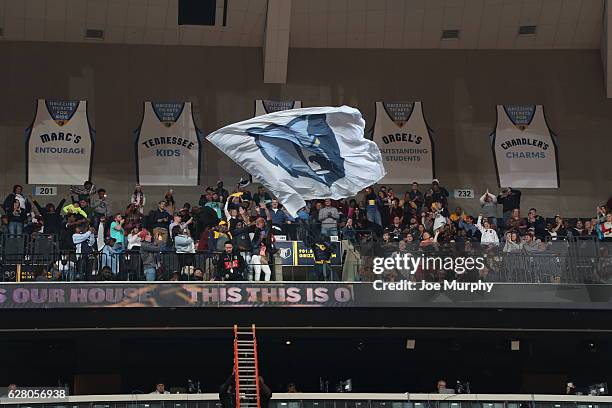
x: 276, y: 41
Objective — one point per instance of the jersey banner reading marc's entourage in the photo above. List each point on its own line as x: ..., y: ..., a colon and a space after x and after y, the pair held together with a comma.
x: 59, y: 143
x: 405, y: 142
x: 524, y: 148
x: 168, y: 145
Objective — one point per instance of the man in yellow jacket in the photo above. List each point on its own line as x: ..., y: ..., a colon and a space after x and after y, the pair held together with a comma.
x: 74, y: 208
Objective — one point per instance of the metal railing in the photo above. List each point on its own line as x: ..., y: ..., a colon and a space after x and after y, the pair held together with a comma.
x: 326, y: 400
x: 579, y: 260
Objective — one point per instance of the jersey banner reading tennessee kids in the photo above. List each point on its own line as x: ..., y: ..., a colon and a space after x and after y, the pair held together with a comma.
x: 405, y: 142
x: 59, y: 143
x: 168, y: 145
x: 524, y: 148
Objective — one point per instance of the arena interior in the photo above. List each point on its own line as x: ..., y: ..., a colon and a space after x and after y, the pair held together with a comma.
x: 305, y: 204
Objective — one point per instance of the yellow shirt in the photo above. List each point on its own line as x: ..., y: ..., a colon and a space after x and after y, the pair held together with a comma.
x: 72, y: 209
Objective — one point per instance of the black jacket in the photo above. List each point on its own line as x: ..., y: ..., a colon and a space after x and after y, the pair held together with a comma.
x: 510, y: 202
x: 230, y: 266
x: 257, y: 232
x: 322, y: 252
x: 20, y: 216
x: 164, y: 216
x: 52, y: 221
x: 539, y: 226
x: 242, y: 241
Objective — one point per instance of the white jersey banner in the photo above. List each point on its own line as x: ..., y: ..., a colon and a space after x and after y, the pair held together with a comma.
x: 524, y: 148
x: 405, y: 142
x: 59, y: 143
x: 263, y: 107
x: 168, y: 146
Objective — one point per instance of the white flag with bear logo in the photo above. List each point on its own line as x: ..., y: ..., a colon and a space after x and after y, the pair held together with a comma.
x: 304, y: 154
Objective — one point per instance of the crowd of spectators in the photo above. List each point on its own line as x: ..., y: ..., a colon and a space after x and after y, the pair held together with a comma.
x: 242, y: 227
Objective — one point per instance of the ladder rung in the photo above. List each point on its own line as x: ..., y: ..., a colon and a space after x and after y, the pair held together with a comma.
x: 246, y: 367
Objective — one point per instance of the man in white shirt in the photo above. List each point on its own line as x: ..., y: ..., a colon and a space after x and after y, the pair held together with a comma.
x: 488, y: 234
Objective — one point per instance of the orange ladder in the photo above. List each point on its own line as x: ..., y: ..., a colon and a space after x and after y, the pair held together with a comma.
x: 246, y: 368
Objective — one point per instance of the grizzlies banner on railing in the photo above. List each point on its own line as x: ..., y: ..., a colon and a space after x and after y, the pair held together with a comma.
x: 297, y: 253
x: 59, y: 143
x: 263, y: 107
x: 168, y: 145
x: 405, y: 142
x: 524, y: 148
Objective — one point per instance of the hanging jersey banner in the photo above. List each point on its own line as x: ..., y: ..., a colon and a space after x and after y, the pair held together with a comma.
x: 405, y: 141
x: 524, y: 148
x: 263, y: 107
x: 59, y: 143
x: 168, y: 146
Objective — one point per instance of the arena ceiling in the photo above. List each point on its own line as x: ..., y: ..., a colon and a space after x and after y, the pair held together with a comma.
x: 278, y: 25
x: 482, y: 24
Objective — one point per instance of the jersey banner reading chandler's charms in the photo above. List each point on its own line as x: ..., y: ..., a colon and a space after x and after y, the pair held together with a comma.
x: 524, y: 148
x: 168, y: 145
x: 59, y: 143
x: 263, y: 107
x: 405, y: 142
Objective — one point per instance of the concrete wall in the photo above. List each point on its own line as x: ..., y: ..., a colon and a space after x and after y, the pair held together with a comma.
x: 459, y: 90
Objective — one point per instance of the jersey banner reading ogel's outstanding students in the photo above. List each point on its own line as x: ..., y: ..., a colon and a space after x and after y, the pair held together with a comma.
x: 524, y: 148
x: 263, y: 107
x: 168, y: 145
x: 59, y: 143
x: 405, y: 142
